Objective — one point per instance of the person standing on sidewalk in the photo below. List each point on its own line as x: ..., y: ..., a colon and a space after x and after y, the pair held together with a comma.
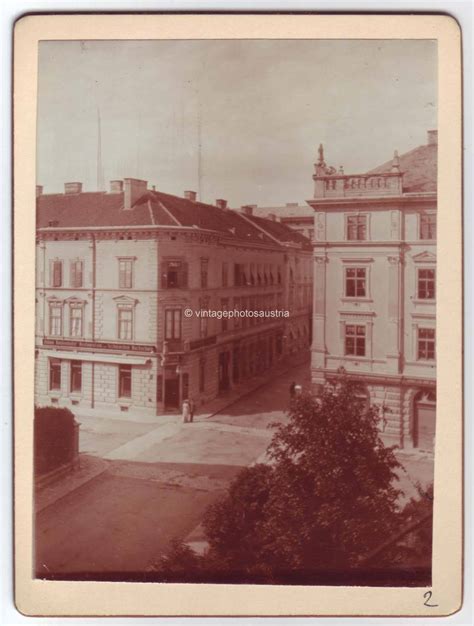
x: 191, y: 410
x: 186, y: 411
x: 292, y: 390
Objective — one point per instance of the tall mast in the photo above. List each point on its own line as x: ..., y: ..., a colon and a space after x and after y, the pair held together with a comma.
x: 100, y: 171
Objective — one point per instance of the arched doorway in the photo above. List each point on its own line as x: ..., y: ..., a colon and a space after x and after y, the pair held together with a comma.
x: 424, y: 420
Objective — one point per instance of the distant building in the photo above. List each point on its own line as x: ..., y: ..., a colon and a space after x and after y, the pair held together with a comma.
x: 299, y: 217
x: 375, y: 286
x: 117, y: 273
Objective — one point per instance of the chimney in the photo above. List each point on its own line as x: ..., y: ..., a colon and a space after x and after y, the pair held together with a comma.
x: 116, y: 186
x: 133, y: 188
x: 190, y: 195
x: 272, y: 216
x: 247, y: 209
x: 70, y: 188
x: 432, y: 137
x: 39, y: 190
x: 221, y: 204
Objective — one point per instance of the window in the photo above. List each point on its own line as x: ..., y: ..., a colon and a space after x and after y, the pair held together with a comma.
x: 125, y: 381
x: 175, y: 275
x: 202, y: 374
x: 54, y: 374
x: 355, y: 282
x: 225, y: 307
x: 173, y: 324
x: 428, y: 226
x: 76, y: 274
x: 356, y: 227
x: 279, y: 274
x: 75, y: 321
x: 56, y: 273
x: 55, y: 320
x: 125, y: 273
x: 204, y: 273
x: 426, y: 284
x: 225, y: 274
x: 355, y: 340
x: 237, y: 304
x: 76, y: 376
x: 426, y: 344
x: 125, y: 323
x: 252, y: 274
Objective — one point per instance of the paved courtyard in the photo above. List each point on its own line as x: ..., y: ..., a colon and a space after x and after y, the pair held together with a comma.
x: 159, y: 476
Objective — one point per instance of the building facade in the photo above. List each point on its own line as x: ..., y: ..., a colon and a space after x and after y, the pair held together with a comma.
x: 374, y: 307
x: 118, y: 273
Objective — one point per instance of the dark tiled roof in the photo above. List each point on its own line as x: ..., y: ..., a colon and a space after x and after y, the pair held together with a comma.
x: 280, y: 231
x: 100, y: 209
x: 293, y: 210
x: 419, y: 167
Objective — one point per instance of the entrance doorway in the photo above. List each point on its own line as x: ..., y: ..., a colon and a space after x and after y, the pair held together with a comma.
x: 172, y: 393
x: 424, y: 420
x: 224, y: 382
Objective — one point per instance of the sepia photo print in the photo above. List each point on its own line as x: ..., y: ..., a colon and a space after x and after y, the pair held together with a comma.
x: 236, y: 287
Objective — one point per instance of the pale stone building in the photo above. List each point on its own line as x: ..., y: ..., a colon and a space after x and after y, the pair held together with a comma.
x: 116, y: 272
x: 374, y: 307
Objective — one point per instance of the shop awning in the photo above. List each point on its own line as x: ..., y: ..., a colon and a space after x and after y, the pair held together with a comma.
x: 98, y: 357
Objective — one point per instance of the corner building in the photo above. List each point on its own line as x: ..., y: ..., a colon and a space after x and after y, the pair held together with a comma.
x: 116, y: 272
x: 375, y: 287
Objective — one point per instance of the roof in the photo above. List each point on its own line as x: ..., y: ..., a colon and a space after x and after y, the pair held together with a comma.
x: 101, y: 209
x: 419, y: 168
x: 288, y: 211
x: 280, y: 231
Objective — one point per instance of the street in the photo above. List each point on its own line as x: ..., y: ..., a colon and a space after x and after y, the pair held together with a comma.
x: 159, y: 479
x: 159, y: 476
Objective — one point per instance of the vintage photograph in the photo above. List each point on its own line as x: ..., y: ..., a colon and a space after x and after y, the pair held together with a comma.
x: 235, y: 353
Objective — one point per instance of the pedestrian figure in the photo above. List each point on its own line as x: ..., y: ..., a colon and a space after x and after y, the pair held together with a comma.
x: 292, y: 390
x: 191, y: 411
x: 186, y: 411
x: 298, y: 390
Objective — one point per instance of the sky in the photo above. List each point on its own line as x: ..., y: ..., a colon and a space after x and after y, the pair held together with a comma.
x: 255, y: 111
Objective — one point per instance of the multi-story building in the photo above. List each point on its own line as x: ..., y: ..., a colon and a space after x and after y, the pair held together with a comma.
x: 118, y: 274
x: 375, y: 286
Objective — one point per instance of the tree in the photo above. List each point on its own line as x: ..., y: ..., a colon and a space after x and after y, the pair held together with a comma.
x: 326, y: 499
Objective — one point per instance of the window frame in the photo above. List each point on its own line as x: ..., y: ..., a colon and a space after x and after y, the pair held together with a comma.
x: 57, y: 364
x: 72, y: 308
x: 55, y: 280
x: 125, y: 278
x: 356, y: 279
x: 427, y: 341
x: 204, y: 272
x: 176, y: 333
x: 419, y: 280
x: 55, y: 305
x: 125, y: 308
x: 74, y: 366
x: 357, y: 216
x: 74, y: 273
x: 124, y: 368
x: 427, y: 215
x: 355, y: 336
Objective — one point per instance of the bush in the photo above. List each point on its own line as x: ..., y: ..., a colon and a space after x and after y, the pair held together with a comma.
x: 55, y: 439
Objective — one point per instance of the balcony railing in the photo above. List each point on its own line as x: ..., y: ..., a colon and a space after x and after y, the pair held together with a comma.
x: 340, y: 186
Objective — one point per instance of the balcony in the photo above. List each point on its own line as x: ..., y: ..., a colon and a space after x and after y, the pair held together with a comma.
x: 363, y: 185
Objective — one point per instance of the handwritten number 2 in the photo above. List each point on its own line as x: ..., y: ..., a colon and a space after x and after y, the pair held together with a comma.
x: 428, y: 595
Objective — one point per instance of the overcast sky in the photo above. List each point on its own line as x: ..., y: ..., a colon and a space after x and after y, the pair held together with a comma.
x: 261, y: 109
